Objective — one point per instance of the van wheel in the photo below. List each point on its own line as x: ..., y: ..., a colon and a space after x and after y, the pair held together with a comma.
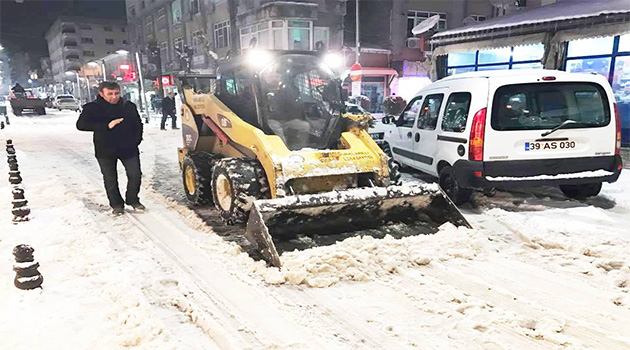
x: 581, y: 191
x: 449, y: 184
x: 41, y: 111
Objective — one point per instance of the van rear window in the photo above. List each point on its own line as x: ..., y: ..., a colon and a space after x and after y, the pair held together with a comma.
x: 542, y: 106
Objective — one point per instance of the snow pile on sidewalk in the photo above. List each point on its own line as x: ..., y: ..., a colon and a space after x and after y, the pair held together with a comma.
x: 366, y: 258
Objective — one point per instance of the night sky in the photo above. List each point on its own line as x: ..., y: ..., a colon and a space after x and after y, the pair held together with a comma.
x: 23, y: 25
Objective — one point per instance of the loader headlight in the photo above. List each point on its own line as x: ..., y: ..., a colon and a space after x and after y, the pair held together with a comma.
x: 258, y: 58
x: 333, y: 60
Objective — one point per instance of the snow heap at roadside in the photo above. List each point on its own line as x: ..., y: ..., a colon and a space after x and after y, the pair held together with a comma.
x: 366, y: 258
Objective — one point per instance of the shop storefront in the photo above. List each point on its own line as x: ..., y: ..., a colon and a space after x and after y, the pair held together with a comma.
x: 578, y: 37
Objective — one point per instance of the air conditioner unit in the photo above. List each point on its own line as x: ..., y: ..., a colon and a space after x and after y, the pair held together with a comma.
x: 414, y: 43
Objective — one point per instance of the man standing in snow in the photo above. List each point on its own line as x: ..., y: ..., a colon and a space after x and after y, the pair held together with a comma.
x: 117, y: 131
x: 168, y: 109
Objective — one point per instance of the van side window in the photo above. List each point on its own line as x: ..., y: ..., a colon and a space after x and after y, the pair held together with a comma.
x: 408, y: 116
x: 456, y: 113
x: 430, y: 111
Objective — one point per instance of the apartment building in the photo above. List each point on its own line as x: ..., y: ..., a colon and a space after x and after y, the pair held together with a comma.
x: 75, y: 41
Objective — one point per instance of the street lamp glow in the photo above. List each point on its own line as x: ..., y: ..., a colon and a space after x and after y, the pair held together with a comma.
x: 333, y: 60
x: 70, y: 72
x: 92, y: 64
x: 30, y: 81
x: 122, y: 52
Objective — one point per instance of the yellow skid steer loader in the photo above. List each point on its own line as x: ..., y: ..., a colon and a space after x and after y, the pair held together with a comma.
x: 267, y: 141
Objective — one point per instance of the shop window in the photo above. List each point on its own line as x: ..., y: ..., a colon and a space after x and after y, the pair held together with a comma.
x: 456, y: 113
x: 410, y: 113
x: 528, y: 53
x: 624, y: 43
x: 495, y: 67
x: 590, y: 65
x: 621, y: 89
x: 591, y: 47
x: 495, y: 55
x: 535, y: 65
x: 462, y: 58
x: 109, y: 41
x: 430, y: 111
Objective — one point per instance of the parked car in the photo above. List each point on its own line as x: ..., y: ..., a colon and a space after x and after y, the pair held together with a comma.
x: 62, y: 102
x: 490, y: 129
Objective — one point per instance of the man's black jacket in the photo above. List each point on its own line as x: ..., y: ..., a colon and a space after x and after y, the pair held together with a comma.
x: 168, y: 105
x: 120, y: 142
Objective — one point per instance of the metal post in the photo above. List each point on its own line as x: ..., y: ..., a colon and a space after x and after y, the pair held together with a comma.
x: 357, y: 32
x: 79, y: 87
x: 87, y: 84
x: 143, y: 101
x: 103, y: 69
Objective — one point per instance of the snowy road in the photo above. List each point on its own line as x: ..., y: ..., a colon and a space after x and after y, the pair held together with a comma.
x: 537, y: 272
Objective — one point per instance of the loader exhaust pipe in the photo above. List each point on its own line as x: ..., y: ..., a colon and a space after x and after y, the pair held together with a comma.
x: 346, y: 211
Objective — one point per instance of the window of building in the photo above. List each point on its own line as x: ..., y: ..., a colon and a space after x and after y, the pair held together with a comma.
x: 222, y: 34
x: 107, y: 28
x: 150, y: 25
x: 321, y: 37
x: 162, y: 23
x: 143, y: 5
x: 125, y: 42
x: 132, y: 11
x: 456, y: 112
x: 427, y: 119
x: 478, y: 18
x: 85, y: 27
x: 415, y: 17
x: 277, y: 35
x: 164, y: 51
x: 197, y: 42
x: 299, y: 35
x: 518, y: 57
x: 87, y: 41
x: 256, y: 36
x: 109, y: 41
x: 194, y: 6
x: 88, y: 53
x: 179, y: 45
x: 176, y: 12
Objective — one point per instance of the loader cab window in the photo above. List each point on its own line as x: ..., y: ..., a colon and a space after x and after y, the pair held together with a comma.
x: 235, y: 90
x: 409, y: 115
x: 301, y: 101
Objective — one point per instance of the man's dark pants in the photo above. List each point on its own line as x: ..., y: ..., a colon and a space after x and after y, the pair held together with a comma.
x: 173, y: 119
x: 110, y: 177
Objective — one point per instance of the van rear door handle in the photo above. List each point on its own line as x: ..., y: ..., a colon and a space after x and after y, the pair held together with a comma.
x: 409, y: 135
x: 417, y: 137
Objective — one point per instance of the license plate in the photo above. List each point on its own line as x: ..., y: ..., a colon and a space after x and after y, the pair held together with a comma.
x: 549, y: 145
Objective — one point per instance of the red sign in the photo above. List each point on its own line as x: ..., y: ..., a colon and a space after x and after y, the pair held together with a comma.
x: 124, y: 67
x: 355, y: 72
x: 166, y: 80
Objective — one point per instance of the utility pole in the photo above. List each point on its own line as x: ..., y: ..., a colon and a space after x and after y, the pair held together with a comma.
x: 357, y: 32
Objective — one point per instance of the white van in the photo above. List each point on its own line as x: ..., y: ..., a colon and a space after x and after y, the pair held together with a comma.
x: 507, y: 128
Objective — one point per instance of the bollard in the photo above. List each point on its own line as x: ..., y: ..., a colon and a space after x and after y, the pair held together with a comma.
x: 27, y: 275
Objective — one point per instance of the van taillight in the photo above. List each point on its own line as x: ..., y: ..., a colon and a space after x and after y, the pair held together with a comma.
x: 617, y: 130
x: 475, y: 149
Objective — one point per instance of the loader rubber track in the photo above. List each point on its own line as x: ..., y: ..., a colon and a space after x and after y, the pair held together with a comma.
x: 248, y: 182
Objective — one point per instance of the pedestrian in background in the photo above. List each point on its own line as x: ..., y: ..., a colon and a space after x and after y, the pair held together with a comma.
x: 117, y: 131
x: 168, y: 109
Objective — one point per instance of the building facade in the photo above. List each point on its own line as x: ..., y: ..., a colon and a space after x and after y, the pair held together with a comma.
x: 75, y: 41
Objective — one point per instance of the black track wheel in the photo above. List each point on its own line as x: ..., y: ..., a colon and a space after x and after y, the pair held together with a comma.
x: 448, y: 182
x: 41, y: 111
x: 581, y: 191
x: 394, y: 168
x: 17, y: 112
x: 236, y: 183
x: 196, y: 177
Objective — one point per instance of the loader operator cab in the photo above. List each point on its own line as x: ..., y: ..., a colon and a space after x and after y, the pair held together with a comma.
x: 293, y: 95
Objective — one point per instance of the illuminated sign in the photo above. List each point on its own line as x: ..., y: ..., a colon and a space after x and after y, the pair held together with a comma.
x: 124, y: 67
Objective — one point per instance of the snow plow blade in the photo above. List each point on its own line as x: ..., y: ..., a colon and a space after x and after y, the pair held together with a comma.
x: 346, y: 211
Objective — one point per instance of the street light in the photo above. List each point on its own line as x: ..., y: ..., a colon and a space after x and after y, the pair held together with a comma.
x: 122, y: 52
x: 78, y: 83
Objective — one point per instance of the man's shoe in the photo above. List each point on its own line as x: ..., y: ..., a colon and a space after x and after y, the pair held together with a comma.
x: 118, y: 210
x: 175, y: 128
x: 138, y: 206
x: 163, y: 129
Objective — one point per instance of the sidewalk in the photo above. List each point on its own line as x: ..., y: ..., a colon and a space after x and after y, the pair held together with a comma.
x: 625, y: 157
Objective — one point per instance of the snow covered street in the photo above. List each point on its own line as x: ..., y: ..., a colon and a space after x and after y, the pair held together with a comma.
x: 538, y: 271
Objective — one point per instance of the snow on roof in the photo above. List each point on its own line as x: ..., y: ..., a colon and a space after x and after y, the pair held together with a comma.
x: 561, y: 10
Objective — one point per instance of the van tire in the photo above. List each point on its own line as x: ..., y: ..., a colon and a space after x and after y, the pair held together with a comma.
x: 581, y: 191
x: 448, y: 182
